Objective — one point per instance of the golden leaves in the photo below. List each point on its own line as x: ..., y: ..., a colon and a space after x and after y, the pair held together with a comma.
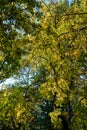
x: 76, y: 53
x: 63, y: 84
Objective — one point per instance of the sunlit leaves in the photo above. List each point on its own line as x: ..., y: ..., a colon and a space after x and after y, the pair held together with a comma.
x: 55, y: 120
x: 55, y: 49
x: 60, y: 46
x: 15, y: 109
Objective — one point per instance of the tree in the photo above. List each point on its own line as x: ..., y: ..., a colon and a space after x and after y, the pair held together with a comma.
x: 60, y: 46
x: 55, y: 52
x: 32, y: 80
x: 16, y: 106
x: 16, y: 19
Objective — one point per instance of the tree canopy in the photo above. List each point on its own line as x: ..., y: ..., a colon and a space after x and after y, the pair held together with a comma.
x: 44, y: 46
x: 16, y: 19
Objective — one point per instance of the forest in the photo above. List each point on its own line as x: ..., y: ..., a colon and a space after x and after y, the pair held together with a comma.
x: 43, y: 50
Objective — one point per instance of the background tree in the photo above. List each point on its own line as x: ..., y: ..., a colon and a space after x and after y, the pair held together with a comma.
x: 16, y: 19
x: 17, y: 106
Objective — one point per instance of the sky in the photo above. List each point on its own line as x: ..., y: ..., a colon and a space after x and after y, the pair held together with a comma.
x: 6, y: 82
